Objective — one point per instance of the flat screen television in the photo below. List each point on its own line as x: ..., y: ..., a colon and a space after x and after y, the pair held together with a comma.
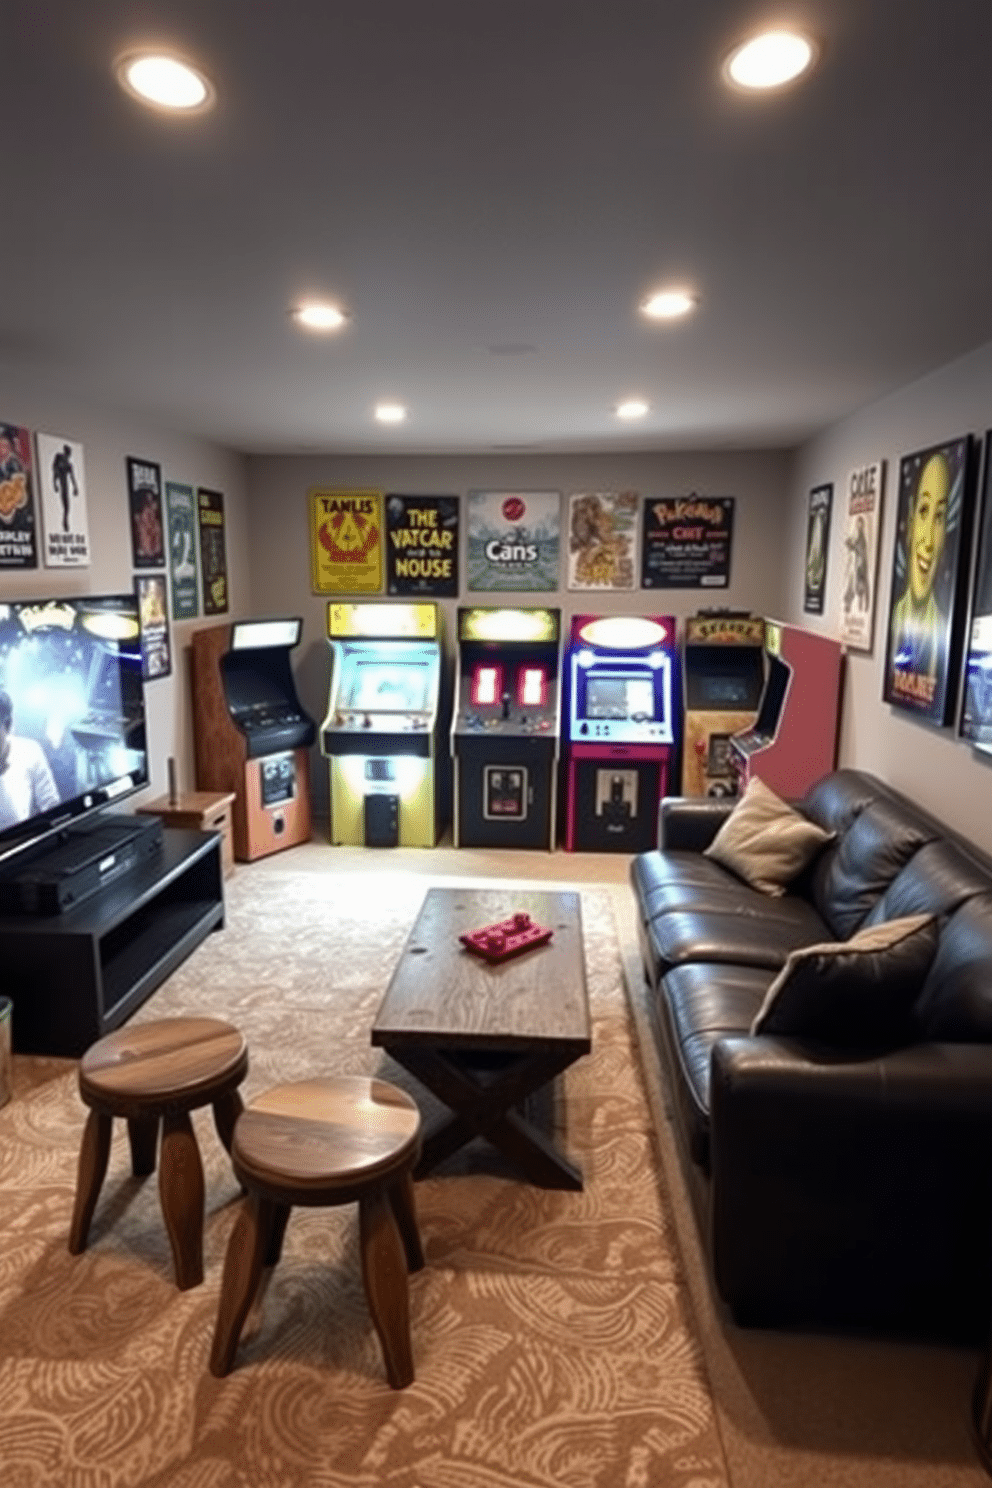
x: 72, y: 713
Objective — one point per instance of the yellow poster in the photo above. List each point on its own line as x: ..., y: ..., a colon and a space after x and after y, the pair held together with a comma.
x: 346, y: 541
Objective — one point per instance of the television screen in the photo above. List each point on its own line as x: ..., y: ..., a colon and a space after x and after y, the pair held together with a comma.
x: 620, y: 697
x: 72, y: 714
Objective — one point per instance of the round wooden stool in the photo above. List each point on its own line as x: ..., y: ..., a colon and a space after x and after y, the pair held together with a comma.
x: 150, y: 1073
x: 324, y: 1142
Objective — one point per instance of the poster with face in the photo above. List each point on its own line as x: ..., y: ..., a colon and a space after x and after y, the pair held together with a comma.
x: 976, y: 709
x: 817, y: 546
x: 62, y: 488
x: 144, y: 496
x: 156, y: 649
x: 928, y: 562
x: 18, y: 523
x: 862, y: 523
x: 602, y: 535
x: 513, y: 540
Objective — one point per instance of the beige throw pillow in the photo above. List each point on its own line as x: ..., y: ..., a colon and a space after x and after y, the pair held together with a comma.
x: 765, y: 842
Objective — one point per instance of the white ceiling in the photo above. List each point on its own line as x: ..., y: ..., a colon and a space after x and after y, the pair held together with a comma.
x: 489, y: 187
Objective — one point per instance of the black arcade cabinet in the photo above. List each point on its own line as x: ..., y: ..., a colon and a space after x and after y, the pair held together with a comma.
x: 251, y: 733
x: 620, y: 731
x: 505, y: 729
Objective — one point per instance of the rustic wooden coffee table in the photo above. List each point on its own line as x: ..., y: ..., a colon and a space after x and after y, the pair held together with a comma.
x: 483, y: 1038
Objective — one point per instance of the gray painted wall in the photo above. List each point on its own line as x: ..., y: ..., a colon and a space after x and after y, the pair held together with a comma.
x: 932, y: 765
x: 279, y: 516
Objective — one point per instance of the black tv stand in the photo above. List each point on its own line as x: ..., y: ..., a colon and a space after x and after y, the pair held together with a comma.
x: 67, y: 869
x: 75, y: 976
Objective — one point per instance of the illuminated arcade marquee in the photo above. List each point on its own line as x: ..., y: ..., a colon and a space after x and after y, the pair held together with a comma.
x: 382, y: 725
x: 621, y: 729
x: 505, y: 730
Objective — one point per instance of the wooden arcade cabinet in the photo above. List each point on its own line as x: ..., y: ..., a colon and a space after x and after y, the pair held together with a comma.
x: 250, y: 733
x: 723, y: 676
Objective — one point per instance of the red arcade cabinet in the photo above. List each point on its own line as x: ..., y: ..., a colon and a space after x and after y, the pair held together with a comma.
x: 793, y: 740
x: 621, y: 735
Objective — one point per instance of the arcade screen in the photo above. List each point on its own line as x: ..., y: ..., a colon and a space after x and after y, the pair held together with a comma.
x: 720, y: 677
x: 376, y: 686
x: 619, y: 697
x: 70, y: 679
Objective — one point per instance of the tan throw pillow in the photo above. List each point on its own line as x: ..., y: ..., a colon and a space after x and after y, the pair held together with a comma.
x: 765, y: 842
x: 856, y: 993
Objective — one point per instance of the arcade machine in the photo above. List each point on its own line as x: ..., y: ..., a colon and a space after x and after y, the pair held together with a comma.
x: 250, y: 733
x: 620, y: 730
x: 383, y: 724
x: 723, y: 675
x: 793, y: 740
x: 504, y: 734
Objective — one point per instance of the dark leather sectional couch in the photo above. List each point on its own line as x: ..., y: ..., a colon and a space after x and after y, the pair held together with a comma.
x: 835, y: 1187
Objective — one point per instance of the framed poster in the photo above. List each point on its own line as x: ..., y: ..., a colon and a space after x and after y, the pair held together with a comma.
x: 213, y: 551
x: 686, y: 542
x: 62, y: 490
x: 144, y: 495
x: 929, y: 565
x: 862, y: 525
x: 976, y: 708
x: 602, y: 536
x: 514, y: 538
x: 153, y: 617
x: 181, y: 518
x: 346, y: 542
x: 18, y: 519
x: 817, y: 547
x: 422, y: 545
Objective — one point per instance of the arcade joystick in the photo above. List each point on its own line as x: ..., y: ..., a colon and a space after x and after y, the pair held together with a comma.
x: 506, y: 705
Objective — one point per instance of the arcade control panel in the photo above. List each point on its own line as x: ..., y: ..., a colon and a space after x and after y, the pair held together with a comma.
x: 505, y: 938
x: 392, y: 723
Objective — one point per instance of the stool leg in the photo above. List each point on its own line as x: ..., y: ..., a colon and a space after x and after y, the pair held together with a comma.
x: 405, y: 1214
x: 280, y: 1218
x: 385, y: 1276
x: 94, y: 1154
x: 246, y: 1252
x: 227, y: 1109
x: 181, y: 1188
x: 143, y: 1135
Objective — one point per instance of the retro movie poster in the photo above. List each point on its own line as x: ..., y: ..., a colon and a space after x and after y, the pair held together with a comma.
x: 928, y: 567
x: 514, y: 538
x: 18, y: 520
x: 817, y: 547
x: 422, y: 545
x: 976, y: 711
x: 862, y: 524
x: 686, y: 542
x: 156, y: 652
x: 213, y: 551
x: 181, y: 518
x: 144, y: 495
x: 62, y: 491
x: 602, y: 537
x: 346, y: 542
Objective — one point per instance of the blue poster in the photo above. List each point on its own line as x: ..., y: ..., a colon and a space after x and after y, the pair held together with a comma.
x: 181, y: 513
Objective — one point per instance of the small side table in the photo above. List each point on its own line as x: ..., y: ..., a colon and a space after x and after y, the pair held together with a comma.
x: 204, y: 811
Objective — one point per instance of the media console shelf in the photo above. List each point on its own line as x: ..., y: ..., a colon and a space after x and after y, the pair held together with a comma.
x: 73, y: 977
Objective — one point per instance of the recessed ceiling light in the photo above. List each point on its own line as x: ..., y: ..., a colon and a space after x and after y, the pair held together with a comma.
x: 320, y: 317
x: 390, y: 413
x: 167, y: 82
x: 770, y: 60
x: 632, y: 408
x: 668, y: 304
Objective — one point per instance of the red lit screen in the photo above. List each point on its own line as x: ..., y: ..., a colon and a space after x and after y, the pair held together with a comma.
x: 487, y: 685
x: 533, y: 684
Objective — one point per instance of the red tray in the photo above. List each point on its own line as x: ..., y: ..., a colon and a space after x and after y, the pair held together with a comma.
x: 505, y: 938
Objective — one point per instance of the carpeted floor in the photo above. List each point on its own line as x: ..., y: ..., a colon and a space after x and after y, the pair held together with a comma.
x: 553, y: 1338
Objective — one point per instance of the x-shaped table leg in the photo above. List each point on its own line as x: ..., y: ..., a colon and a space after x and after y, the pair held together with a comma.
x: 482, y: 1099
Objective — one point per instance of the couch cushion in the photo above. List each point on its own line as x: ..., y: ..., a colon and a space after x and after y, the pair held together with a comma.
x: 700, y: 1003
x: 857, y: 993
x: 955, y: 1005
x: 765, y: 841
x: 936, y: 880
x: 733, y: 939
x: 879, y: 842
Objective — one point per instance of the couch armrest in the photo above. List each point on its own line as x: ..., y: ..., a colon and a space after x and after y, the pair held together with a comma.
x: 852, y: 1189
x: 689, y: 823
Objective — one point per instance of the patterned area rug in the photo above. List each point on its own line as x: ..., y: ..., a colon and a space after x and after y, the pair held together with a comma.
x: 552, y: 1341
